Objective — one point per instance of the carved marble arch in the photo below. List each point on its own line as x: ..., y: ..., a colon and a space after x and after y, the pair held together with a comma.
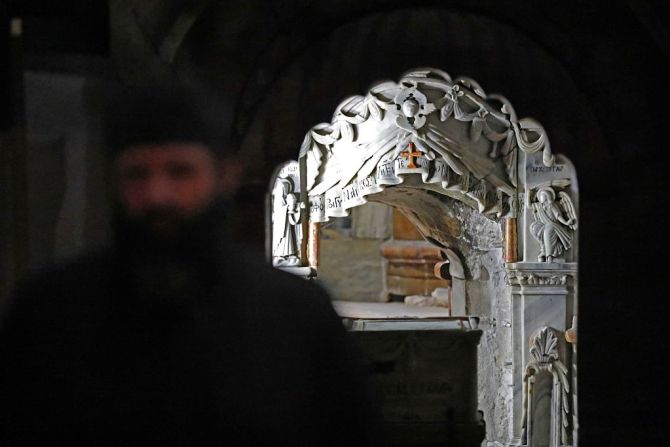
x: 461, y: 143
x: 445, y: 137
x: 458, y: 162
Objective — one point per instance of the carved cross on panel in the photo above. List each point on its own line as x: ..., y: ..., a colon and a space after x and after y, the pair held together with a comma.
x: 411, y: 155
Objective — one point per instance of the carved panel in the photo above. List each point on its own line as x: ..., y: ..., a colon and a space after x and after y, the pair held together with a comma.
x: 551, y: 427
x: 535, y: 278
x: 286, y: 215
x: 554, y: 219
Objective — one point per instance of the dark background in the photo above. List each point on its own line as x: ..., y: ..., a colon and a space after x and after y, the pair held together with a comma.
x: 594, y: 74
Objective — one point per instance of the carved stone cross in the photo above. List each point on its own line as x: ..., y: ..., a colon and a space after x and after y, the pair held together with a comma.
x: 411, y: 155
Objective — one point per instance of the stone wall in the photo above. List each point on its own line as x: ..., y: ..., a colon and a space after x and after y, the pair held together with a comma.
x: 479, y: 246
x: 351, y: 269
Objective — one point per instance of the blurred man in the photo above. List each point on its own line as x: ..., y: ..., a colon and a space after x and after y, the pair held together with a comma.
x: 175, y: 334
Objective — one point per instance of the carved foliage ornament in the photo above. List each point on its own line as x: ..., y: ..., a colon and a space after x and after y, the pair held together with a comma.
x: 544, y: 356
x: 450, y: 132
x: 536, y: 279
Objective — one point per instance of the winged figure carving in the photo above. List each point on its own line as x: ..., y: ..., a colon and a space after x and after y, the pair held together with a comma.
x: 555, y: 219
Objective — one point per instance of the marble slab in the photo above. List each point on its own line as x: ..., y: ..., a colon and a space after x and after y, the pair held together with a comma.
x: 425, y: 383
x: 365, y: 310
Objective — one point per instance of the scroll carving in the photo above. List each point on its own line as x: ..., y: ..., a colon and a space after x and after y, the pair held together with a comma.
x: 408, y: 128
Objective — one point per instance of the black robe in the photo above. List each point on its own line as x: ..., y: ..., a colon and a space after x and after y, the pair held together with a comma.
x: 236, y: 351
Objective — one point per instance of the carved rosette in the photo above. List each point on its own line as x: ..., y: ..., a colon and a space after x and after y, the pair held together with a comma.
x: 544, y: 356
x: 459, y: 140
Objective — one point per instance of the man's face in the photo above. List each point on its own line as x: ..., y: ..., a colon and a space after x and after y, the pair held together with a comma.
x: 164, y: 186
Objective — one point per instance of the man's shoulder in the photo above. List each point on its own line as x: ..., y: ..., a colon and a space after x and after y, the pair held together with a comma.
x: 77, y: 269
x: 279, y: 289
x: 67, y: 278
x: 267, y: 276
x: 62, y: 290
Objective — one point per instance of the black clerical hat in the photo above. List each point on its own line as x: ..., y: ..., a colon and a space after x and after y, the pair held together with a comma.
x: 148, y: 115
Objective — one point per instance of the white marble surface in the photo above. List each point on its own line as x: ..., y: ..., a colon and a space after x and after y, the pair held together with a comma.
x: 349, y: 309
x: 516, y: 301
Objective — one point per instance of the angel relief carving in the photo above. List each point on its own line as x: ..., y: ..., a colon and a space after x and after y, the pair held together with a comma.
x: 285, y: 218
x: 555, y: 220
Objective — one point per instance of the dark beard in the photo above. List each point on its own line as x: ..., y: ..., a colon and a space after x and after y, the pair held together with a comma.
x: 165, y: 232
x: 170, y: 269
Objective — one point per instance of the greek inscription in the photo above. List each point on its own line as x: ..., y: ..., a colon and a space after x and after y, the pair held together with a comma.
x: 554, y: 168
x: 385, y: 170
x: 350, y: 193
x: 418, y: 163
x: 335, y: 202
x: 440, y: 169
x: 291, y: 169
x: 367, y: 182
x: 317, y: 207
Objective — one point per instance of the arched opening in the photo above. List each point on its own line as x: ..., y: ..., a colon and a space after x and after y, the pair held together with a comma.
x: 482, y: 186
